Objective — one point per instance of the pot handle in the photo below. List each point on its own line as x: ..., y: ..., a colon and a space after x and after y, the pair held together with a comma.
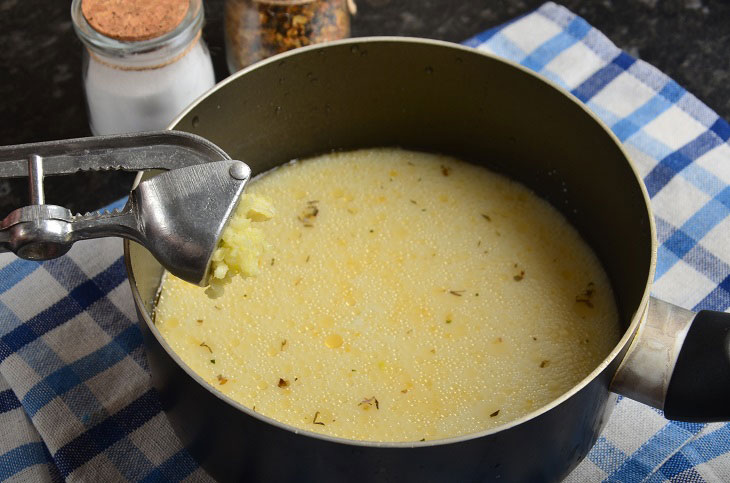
x: 699, y: 389
x: 679, y: 361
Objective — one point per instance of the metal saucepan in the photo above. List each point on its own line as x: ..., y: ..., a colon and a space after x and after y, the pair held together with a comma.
x: 434, y: 96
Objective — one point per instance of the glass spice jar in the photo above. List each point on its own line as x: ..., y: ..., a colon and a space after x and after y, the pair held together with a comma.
x: 256, y: 29
x: 143, y: 63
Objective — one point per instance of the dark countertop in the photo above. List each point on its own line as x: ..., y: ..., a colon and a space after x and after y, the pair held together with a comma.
x: 40, y: 63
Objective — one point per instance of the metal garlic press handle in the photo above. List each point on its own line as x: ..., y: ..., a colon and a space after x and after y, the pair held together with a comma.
x: 178, y: 215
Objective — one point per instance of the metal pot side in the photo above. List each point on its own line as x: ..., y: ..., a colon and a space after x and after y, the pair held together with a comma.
x: 430, y: 96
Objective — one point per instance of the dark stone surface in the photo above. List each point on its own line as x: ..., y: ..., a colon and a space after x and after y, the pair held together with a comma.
x: 40, y: 62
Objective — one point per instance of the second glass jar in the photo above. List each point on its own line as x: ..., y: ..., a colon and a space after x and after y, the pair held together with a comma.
x: 256, y: 29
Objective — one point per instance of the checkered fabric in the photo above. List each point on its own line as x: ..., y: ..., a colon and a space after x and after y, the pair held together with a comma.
x: 75, y: 396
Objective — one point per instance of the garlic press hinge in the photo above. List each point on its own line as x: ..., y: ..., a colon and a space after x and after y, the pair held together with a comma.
x: 177, y: 215
x: 40, y: 231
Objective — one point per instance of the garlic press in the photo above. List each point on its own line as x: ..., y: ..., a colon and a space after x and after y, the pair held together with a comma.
x: 177, y: 215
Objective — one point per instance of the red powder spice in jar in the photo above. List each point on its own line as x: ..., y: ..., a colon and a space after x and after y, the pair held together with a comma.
x: 256, y: 29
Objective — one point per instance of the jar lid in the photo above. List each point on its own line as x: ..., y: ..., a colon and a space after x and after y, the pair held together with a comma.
x: 134, y: 20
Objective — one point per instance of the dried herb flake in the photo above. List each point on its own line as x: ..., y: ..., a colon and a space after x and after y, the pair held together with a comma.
x: 368, y: 402
x: 586, y: 296
x: 308, y: 214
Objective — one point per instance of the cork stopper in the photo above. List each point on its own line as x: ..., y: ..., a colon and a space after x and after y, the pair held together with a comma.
x: 134, y: 20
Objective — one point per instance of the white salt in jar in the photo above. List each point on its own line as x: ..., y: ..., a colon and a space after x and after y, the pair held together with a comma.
x: 144, y: 61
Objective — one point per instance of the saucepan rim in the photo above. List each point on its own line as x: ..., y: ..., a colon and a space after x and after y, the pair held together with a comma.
x: 603, y: 365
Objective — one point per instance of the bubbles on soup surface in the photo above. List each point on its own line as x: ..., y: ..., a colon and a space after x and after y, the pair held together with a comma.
x: 405, y: 296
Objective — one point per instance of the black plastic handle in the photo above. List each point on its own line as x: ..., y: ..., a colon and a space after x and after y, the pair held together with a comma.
x: 699, y: 389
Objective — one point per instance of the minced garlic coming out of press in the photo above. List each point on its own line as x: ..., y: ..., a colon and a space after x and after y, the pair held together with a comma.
x: 241, y: 245
x: 405, y: 296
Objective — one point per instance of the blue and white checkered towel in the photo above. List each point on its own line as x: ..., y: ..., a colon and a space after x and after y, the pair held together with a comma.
x: 75, y: 395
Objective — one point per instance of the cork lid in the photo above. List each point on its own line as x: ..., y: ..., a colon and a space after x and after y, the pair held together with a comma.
x: 134, y: 20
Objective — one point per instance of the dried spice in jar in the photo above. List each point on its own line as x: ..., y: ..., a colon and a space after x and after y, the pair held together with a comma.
x: 256, y: 29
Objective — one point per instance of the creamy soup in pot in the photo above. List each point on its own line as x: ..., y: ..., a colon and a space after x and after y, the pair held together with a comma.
x: 404, y: 297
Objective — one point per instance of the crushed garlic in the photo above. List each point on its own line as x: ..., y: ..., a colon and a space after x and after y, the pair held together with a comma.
x: 242, y: 244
